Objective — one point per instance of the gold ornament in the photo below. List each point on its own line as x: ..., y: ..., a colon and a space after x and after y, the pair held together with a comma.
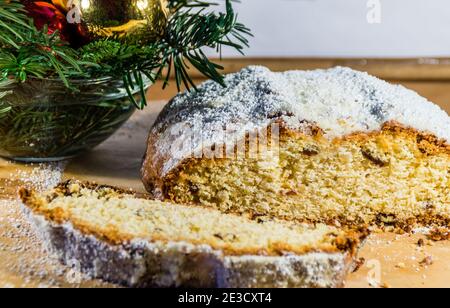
x: 136, y: 19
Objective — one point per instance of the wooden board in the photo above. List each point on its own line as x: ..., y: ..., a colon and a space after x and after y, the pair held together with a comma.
x: 414, y: 69
x: 394, y: 260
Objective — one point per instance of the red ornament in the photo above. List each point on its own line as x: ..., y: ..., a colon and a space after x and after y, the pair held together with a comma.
x: 54, y: 15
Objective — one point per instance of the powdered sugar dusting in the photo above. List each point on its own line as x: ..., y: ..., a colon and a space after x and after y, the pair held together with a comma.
x: 43, y: 176
x: 23, y: 261
x: 343, y: 101
x: 340, y: 100
x: 157, y: 264
x: 22, y: 257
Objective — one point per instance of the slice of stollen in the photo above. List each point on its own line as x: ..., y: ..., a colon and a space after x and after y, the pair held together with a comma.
x: 114, y: 235
x: 328, y: 146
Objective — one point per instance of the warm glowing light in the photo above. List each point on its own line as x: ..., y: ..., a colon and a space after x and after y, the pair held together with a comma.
x: 85, y: 4
x: 142, y: 4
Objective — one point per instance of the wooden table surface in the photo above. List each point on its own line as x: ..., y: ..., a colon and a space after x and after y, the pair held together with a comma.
x: 392, y: 260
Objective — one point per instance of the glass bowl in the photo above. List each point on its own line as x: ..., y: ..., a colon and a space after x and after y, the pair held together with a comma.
x: 42, y: 120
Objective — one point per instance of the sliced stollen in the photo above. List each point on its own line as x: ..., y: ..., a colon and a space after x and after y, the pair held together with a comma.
x: 350, y: 149
x: 114, y: 235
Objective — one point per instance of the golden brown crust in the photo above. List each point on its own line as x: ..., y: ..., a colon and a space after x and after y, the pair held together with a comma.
x: 152, y: 166
x: 428, y: 144
x: 110, y: 234
x: 37, y: 205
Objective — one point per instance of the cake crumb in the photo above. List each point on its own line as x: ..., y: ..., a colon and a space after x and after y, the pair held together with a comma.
x: 427, y: 261
x: 401, y: 265
x: 358, y: 264
x: 439, y: 234
x: 421, y: 243
x: 41, y: 177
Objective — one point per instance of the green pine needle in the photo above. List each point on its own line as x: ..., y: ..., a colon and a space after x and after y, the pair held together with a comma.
x: 26, y: 51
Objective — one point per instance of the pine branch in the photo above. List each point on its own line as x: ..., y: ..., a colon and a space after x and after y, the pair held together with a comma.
x: 26, y: 51
x: 13, y: 23
x: 188, y: 32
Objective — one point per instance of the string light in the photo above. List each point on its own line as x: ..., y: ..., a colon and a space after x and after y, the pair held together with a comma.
x: 85, y: 4
x: 142, y: 4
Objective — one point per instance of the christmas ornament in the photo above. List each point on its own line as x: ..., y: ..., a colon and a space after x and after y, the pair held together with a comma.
x: 45, y: 13
x: 142, y: 20
x: 54, y: 14
x: 90, y: 91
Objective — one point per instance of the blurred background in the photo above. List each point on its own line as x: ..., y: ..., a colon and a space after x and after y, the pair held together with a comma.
x: 402, y: 41
x: 347, y: 28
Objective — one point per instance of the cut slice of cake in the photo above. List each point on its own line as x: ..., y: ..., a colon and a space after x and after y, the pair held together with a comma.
x: 114, y: 235
x: 331, y: 146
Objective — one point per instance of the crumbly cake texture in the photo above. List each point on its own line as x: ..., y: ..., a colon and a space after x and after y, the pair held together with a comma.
x: 353, y: 149
x: 110, y: 234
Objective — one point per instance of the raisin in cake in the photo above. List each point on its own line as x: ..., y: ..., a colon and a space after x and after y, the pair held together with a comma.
x: 351, y: 148
x: 111, y: 234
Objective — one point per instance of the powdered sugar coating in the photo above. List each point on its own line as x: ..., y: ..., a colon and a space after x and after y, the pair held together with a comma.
x: 146, y: 264
x: 341, y: 101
